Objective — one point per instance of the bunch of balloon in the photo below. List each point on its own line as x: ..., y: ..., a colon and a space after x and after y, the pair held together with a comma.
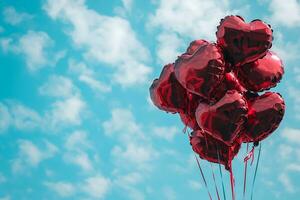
x: 214, y: 89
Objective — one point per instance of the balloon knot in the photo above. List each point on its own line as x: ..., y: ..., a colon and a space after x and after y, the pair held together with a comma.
x: 250, y: 155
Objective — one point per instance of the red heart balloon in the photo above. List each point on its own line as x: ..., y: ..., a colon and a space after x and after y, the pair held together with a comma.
x: 201, y: 71
x: 264, y: 116
x: 194, y: 45
x: 188, y: 117
x: 261, y: 74
x: 230, y: 82
x: 243, y: 42
x: 189, y: 120
x: 208, y: 148
x: 225, y: 119
x: 167, y: 93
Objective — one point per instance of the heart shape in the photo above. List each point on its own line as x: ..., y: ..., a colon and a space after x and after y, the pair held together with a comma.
x: 230, y: 82
x: 188, y: 117
x: 166, y: 92
x: 264, y: 116
x: 201, y: 71
x: 261, y: 74
x: 223, y: 120
x: 243, y: 42
x: 208, y: 148
x: 194, y: 45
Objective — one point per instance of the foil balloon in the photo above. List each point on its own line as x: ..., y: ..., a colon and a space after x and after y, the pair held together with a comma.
x: 213, y: 87
x: 211, y: 149
x: 201, y: 71
x: 196, y: 44
x: 261, y: 74
x: 243, y: 42
x: 166, y: 92
x: 264, y: 116
x: 188, y: 116
x: 189, y: 120
x: 230, y: 82
x: 225, y: 119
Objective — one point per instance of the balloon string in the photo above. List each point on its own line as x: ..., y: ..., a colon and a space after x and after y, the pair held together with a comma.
x: 203, y: 178
x: 205, y: 137
x: 245, y: 172
x: 250, y: 155
x: 257, y: 162
x: 223, y: 188
x: 213, y: 175
x: 184, y: 129
x: 231, y: 181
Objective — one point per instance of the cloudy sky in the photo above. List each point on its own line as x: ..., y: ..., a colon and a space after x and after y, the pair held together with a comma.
x: 75, y: 117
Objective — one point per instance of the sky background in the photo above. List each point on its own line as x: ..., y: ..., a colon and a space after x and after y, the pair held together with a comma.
x: 76, y: 121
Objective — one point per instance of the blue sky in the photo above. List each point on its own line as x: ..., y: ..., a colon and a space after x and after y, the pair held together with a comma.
x: 76, y: 121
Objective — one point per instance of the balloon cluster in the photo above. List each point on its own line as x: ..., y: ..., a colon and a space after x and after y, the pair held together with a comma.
x: 214, y: 88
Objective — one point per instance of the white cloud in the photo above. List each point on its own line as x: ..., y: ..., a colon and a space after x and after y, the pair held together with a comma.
x: 35, y: 155
x: 129, y: 183
x: 69, y: 106
x: 62, y: 113
x: 15, y: 114
x: 190, y: 18
x: 122, y: 124
x: 166, y: 133
x: 169, y: 193
x: 5, y: 118
x: 6, y: 197
x: 31, y: 155
x: 135, y: 155
x: 285, y: 13
x: 58, y: 86
x: 24, y: 118
x: 286, y: 182
x: 80, y: 159
x: 77, y: 141
x: 180, y: 20
x: 2, y: 178
x: 94, y: 84
x: 132, y: 178
x: 6, y: 45
x: 35, y: 47
x: 63, y: 189
x: 132, y: 73
x: 293, y: 167
x: 32, y: 46
x: 195, y: 185
x: 66, y: 112
x: 285, y: 151
x: 288, y: 162
x: 127, y: 4
x: 296, y: 71
x: 294, y: 93
x: 106, y: 39
x: 169, y: 45
x: 288, y: 51
x: 96, y: 187
x: 87, y: 76
x: 134, y: 150
x: 292, y: 135
x: 11, y: 16
x: 76, y: 144
x: 124, y: 9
